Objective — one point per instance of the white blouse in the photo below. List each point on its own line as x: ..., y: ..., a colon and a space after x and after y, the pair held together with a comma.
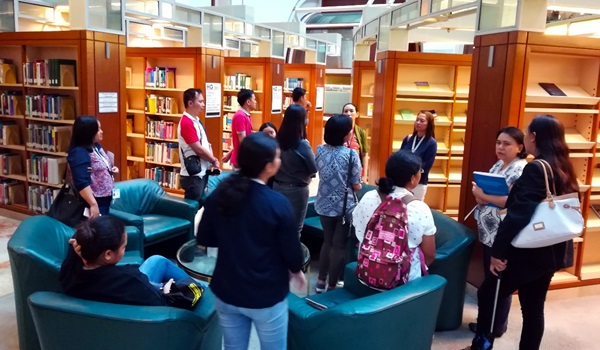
x: 420, y: 222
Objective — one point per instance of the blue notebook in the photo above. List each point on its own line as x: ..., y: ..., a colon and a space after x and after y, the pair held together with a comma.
x: 491, y: 184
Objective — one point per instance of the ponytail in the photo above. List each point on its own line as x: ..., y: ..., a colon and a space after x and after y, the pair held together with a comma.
x: 386, y: 185
x: 230, y: 194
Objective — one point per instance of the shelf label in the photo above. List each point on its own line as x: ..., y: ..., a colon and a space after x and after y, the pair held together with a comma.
x: 320, y: 98
x: 276, y: 103
x: 108, y: 102
x: 213, y: 100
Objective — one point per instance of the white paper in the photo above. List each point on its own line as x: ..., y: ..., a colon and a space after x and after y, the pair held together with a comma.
x: 277, y: 101
x: 320, y: 98
x: 213, y: 100
x: 108, y: 102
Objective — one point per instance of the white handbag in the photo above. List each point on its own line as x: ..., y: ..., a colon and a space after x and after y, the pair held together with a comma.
x: 556, y: 219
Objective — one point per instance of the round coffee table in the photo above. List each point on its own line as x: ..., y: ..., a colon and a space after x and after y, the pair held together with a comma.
x: 199, y: 265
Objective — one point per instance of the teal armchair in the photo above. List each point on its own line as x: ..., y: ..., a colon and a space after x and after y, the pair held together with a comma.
x: 361, y: 318
x: 158, y: 216
x: 36, y: 251
x: 454, y: 244
x: 94, y: 325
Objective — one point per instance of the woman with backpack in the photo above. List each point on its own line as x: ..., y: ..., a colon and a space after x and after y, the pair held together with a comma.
x: 403, y: 173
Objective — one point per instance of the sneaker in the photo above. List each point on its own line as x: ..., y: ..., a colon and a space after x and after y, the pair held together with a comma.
x: 339, y: 284
x: 473, y: 328
x: 321, y: 288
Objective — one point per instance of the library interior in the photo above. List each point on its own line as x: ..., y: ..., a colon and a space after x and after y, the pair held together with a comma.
x: 474, y: 66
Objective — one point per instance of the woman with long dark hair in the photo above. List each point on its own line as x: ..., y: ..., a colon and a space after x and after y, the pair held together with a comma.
x: 298, y: 165
x: 91, y: 168
x: 358, y: 140
x: 528, y: 270
x: 422, y: 143
x: 259, y: 250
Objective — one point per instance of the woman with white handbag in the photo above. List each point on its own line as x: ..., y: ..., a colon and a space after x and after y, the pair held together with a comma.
x: 530, y: 270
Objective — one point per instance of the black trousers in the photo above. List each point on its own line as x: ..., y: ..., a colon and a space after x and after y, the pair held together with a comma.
x: 194, y: 187
x: 333, y: 250
x: 532, y: 285
x: 503, y: 307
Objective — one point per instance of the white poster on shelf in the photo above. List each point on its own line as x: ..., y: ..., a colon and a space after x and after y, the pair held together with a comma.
x: 108, y: 102
x: 277, y: 101
x: 320, y: 98
x: 213, y: 100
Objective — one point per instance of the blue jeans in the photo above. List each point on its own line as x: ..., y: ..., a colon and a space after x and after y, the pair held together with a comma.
x: 160, y: 269
x: 271, y: 325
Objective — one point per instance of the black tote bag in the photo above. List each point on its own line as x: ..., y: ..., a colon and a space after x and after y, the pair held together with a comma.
x: 68, y: 206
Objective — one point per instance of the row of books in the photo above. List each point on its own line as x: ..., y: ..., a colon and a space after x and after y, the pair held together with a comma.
x: 160, y: 104
x: 10, y: 164
x: 227, y: 118
x: 230, y: 102
x: 292, y: 83
x: 165, y: 178
x: 160, y: 128
x: 12, y: 192
x: 46, y: 169
x: 160, y: 152
x: 41, y: 197
x: 9, y: 134
x: 406, y: 114
x: 11, y: 103
x: 50, y: 72
x: 238, y: 81
x: 287, y: 101
x: 160, y: 77
x: 48, y: 138
x: 7, y: 72
x: 53, y: 107
x: 227, y: 141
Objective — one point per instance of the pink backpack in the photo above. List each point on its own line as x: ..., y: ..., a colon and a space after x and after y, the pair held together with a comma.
x: 384, y: 257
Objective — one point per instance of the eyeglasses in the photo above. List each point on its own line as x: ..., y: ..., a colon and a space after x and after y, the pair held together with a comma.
x: 422, y: 170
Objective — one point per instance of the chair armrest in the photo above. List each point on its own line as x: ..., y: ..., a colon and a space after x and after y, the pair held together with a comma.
x: 177, y: 207
x: 135, y: 239
x: 300, y: 307
x: 129, y: 219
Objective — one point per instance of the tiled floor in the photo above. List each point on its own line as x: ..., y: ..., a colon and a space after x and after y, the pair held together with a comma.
x: 571, y: 314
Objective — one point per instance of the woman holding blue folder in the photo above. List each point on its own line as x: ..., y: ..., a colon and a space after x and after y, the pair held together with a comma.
x: 510, y: 150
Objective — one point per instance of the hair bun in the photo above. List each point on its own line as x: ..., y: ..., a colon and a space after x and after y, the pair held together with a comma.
x: 386, y: 185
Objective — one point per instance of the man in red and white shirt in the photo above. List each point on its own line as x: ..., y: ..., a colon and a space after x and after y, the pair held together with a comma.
x: 241, y: 124
x: 194, y: 142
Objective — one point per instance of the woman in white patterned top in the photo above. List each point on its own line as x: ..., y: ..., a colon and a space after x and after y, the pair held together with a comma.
x: 511, y: 154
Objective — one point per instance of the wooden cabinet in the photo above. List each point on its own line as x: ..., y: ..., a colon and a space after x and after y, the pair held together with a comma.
x: 363, y: 96
x: 56, y: 76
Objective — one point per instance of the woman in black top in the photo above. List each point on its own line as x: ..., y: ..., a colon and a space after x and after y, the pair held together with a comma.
x: 422, y: 143
x: 298, y: 165
x: 528, y: 270
x: 259, y: 250
x: 90, y: 269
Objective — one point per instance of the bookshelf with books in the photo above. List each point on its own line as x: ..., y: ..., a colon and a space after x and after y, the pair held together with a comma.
x: 259, y: 74
x: 544, y: 75
x: 312, y: 78
x: 46, y: 80
x: 363, y: 95
x: 423, y: 81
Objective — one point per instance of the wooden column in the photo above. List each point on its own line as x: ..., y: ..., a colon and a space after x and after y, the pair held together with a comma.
x: 210, y: 69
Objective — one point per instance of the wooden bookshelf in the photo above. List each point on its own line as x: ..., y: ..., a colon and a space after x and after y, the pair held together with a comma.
x: 149, y: 127
x: 398, y: 101
x: 363, y: 96
x: 313, y: 76
x: 575, y: 67
x: 81, y: 81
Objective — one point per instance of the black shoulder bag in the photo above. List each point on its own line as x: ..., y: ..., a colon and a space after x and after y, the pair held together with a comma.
x: 68, y: 206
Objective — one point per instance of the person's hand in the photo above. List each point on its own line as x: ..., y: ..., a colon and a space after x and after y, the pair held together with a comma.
x: 481, y: 201
x: 477, y: 191
x: 216, y: 164
x: 115, y: 170
x: 226, y: 157
x: 77, y: 248
x: 167, y: 286
x: 497, y: 265
x: 298, y: 280
x: 94, y: 210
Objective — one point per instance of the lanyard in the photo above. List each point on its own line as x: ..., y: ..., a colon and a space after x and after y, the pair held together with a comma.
x: 413, y: 148
x: 104, y: 160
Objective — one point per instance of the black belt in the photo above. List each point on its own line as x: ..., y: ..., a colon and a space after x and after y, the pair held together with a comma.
x: 290, y: 184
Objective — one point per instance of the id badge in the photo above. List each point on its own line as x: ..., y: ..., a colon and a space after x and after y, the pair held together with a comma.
x: 116, y: 193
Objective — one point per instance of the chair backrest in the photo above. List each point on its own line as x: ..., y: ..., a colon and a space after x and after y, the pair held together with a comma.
x: 450, y: 233
x: 36, y: 251
x: 94, y: 325
x: 214, y: 181
x: 137, y: 196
